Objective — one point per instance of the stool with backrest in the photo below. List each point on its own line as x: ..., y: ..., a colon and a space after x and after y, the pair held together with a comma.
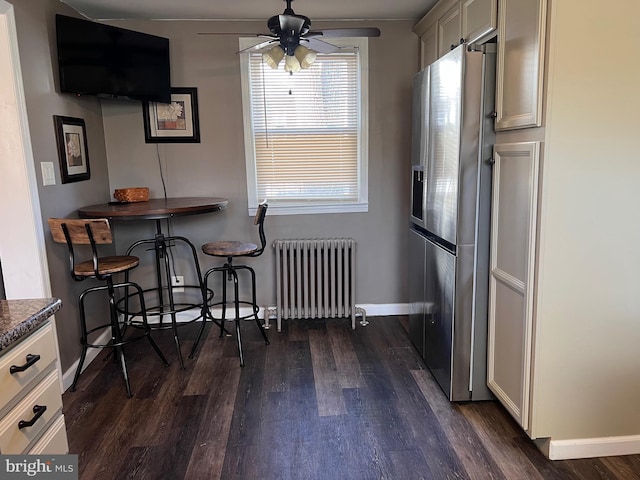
x: 229, y: 271
x: 98, y: 232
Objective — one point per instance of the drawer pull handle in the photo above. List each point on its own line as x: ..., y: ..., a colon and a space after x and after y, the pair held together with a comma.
x: 31, y: 359
x: 38, y: 410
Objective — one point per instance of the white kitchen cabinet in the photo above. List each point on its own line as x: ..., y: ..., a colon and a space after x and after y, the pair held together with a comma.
x: 479, y: 18
x: 449, y: 22
x: 31, y: 418
x: 520, y: 64
x: 514, y: 215
x: 429, y: 46
x: 449, y: 30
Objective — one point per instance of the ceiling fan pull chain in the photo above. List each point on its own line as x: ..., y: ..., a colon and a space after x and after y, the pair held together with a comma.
x: 264, y: 106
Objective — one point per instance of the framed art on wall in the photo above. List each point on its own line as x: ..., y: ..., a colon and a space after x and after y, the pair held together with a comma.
x: 71, y: 137
x: 175, y: 122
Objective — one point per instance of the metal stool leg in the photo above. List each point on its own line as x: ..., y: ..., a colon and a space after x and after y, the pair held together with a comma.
x: 205, y: 312
x: 172, y: 307
x: 116, y: 335
x: 206, y: 309
x: 145, y: 323
x: 254, y: 301
x: 83, y: 341
x: 237, y: 306
x: 224, y: 297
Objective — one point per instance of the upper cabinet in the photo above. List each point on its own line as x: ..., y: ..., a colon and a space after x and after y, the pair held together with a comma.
x: 451, y: 22
x: 449, y: 30
x: 429, y: 46
x: 479, y: 18
x: 521, y: 33
x: 520, y: 27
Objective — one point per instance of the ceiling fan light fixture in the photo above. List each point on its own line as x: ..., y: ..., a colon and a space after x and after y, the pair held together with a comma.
x: 291, y: 64
x: 273, y: 56
x: 305, y: 56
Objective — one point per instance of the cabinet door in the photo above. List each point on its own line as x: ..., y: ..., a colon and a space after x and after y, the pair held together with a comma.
x: 521, y: 33
x: 429, y: 46
x: 479, y: 18
x: 449, y: 32
x: 513, y: 220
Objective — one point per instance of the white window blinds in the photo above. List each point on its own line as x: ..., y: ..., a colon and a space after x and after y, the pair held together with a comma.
x: 306, y: 132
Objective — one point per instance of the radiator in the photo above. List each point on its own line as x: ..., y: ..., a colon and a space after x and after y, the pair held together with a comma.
x: 315, y: 278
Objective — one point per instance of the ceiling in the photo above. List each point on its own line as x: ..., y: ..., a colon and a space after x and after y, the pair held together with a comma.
x: 250, y: 9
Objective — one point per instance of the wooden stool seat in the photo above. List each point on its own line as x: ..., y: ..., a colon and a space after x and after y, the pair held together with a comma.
x: 106, y: 265
x: 229, y: 248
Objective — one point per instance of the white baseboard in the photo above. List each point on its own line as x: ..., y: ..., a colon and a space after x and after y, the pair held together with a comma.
x: 591, y: 447
x: 372, y: 310
x: 385, y: 309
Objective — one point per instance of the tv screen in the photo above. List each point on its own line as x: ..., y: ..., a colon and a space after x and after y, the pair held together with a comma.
x: 97, y: 59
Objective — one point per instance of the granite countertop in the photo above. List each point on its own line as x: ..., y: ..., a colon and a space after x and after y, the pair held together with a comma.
x: 20, y: 317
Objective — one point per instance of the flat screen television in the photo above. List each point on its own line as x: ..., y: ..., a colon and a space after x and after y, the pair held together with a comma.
x: 107, y: 61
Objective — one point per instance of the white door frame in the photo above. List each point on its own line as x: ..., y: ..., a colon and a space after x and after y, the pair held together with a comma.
x: 22, y: 245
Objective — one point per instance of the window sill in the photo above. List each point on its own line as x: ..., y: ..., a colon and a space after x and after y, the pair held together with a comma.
x: 275, y: 209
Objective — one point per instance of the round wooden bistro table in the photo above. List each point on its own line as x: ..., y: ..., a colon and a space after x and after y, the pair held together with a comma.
x: 159, y: 209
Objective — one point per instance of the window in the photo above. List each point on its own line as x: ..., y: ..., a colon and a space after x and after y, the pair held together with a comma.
x: 306, y: 134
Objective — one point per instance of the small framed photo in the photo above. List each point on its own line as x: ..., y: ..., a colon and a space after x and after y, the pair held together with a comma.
x: 71, y: 137
x: 175, y: 122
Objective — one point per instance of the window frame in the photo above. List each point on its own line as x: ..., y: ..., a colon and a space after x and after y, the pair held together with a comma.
x: 304, y: 207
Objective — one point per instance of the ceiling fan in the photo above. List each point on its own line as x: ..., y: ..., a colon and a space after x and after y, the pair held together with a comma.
x: 291, y: 37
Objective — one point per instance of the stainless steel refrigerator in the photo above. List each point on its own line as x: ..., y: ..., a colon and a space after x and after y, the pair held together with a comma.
x: 453, y: 138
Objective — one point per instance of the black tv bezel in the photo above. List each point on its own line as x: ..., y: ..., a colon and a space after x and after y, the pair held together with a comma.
x: 163, y: 93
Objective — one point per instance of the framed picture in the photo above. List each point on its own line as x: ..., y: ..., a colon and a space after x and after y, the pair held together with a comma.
x: 71, y: 136
x: 175, y: 122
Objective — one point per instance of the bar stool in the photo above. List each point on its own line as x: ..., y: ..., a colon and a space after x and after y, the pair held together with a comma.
x: 231, y: 250
x: 95, y: 232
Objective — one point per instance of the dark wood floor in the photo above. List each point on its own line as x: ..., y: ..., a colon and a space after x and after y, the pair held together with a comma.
x: 321, y: 402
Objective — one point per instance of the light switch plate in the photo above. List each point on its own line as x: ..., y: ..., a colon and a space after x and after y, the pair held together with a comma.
x: 48, y: 173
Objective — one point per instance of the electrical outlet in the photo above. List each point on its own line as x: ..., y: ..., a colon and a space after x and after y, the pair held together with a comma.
x: 177, y: 282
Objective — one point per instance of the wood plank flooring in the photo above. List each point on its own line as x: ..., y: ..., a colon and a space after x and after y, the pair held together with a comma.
x: 321, y: 402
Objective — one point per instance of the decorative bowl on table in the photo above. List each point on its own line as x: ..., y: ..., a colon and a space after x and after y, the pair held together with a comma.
x: 129, y: 195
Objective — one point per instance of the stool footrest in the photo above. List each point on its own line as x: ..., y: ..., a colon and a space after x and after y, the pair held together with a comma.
x: 154, y: 310
x: 230, y: 306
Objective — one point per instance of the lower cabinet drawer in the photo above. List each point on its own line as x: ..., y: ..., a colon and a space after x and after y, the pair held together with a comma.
x: 54, y: 441
x: 28, y: 360
x: 15, y: 440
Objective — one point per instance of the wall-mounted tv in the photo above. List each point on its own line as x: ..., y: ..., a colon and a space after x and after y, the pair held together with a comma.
x: 107, y: 61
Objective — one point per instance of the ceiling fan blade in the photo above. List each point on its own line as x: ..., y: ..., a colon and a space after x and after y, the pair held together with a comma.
x: 258, y: 47
x: 291, y: 22
x: 345, y: 32
x: 236, y: 34
x: 319, y: 46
